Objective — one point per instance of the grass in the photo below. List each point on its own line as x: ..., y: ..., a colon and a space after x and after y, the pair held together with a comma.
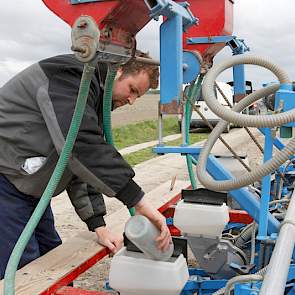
x: 147, y: 131
x: 142, y: 132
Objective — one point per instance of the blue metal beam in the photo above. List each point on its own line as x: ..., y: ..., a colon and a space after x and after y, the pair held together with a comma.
x: 243, y: 196
x: 265, y: 191
x: 209, y: 40
x: 171, y: 60
x: 276, y: 141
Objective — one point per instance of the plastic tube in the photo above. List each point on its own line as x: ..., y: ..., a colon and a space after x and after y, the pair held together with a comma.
x: 9, y: 278
x: 245, y: 235
x: 257, y: 276
x: 247, y: 178
x: 241, y: 279
x: 243, y: 119
x: 107, y: 104
x: 277, y: 272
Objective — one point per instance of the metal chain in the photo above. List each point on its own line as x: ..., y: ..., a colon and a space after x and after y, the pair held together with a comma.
x: 246, y: 128
x: 220, y: 137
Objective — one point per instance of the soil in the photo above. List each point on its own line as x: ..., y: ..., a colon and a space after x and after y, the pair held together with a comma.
x: 145, y: 108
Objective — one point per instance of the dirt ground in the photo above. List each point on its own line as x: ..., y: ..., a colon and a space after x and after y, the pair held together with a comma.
x: 145, y: 108
x: 149, y: 175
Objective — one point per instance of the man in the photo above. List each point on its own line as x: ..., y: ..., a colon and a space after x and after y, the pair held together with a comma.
x: 36, y: 109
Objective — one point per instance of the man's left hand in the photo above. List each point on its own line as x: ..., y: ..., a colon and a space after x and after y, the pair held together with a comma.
x: 106, y: 238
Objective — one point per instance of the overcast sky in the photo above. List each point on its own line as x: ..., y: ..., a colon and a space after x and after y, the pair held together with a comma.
x: 30, y: 32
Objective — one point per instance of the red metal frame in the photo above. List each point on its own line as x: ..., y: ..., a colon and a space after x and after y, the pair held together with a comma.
x: 76, y: 272
x: 77, y: 291
x: 240, y: 216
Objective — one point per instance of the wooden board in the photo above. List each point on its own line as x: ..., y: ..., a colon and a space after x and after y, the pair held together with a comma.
x: 43, y: 272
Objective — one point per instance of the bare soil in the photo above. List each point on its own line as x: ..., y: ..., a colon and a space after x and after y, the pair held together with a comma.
x: 145, y: 108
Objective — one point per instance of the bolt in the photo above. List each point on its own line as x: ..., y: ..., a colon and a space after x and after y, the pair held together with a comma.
x: 82, y: 25
x: 78, y: 49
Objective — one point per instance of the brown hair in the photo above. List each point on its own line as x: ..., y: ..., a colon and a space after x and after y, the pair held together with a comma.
x: 133, y: 67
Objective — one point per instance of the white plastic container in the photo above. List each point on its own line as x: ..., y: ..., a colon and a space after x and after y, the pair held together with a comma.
x: 132, y: 274
x: 199, y: 219
x: 142, y: 233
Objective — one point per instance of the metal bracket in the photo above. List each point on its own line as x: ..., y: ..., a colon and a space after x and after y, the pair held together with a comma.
x: 169, y: 9
x: 242, y: 269
x: 110, y: 57
x: 171, y: 108
x: 85, y: 38
x: 209, y: 40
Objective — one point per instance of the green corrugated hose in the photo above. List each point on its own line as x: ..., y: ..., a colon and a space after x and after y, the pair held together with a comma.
x: 107, y: 108
x: 193, y: 93
x: 9, y: 278
x: 107, y: 104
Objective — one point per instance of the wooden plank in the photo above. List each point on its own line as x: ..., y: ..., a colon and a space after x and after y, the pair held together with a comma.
x: 43, y: 272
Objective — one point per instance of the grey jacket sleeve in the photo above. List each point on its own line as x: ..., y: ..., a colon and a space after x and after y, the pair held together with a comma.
x: 88, y: 203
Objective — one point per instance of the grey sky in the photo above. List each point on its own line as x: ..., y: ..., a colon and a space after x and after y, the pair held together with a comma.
x: 30, y: 32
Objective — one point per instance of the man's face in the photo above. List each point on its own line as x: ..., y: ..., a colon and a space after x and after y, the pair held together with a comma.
x: 128, y: 88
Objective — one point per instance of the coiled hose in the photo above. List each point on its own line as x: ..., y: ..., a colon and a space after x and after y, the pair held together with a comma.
x: 245, y: 235
x: 243, y: 120
x: 107, y: 108
x: 9, y: 278
x: 107, y: 104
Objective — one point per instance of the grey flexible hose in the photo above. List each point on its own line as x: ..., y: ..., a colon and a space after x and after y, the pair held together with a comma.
x: 243, y: 119
x: 260, y: 171
x: 239, y: 279
x: 253, y: 240
x: 245, y: 235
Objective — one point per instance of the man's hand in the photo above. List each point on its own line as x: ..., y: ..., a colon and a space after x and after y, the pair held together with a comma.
x: 143, y: 207
x: 112, y: 241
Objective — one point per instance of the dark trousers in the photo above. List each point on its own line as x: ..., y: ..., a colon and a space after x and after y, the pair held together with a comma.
x: 15, y: 210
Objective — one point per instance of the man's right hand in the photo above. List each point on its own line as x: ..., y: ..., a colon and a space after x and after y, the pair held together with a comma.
x: 143, y: 207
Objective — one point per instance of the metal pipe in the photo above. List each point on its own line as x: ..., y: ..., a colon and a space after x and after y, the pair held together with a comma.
x: 160, y: 125
x: 151, y: 61
x: 145, y: 60
x: 277, y: 271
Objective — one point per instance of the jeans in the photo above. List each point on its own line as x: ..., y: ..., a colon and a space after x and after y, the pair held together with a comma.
x: 15, y: 210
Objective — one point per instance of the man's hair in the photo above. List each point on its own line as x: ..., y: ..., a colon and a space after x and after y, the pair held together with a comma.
x: 133, y: 67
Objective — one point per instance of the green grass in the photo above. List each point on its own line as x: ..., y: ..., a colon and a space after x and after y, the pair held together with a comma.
x: 142, y: 132
x: 147, y: 131
x: 147, y: 154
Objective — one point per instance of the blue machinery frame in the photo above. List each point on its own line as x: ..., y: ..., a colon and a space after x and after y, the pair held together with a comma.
x: 178, y: 19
